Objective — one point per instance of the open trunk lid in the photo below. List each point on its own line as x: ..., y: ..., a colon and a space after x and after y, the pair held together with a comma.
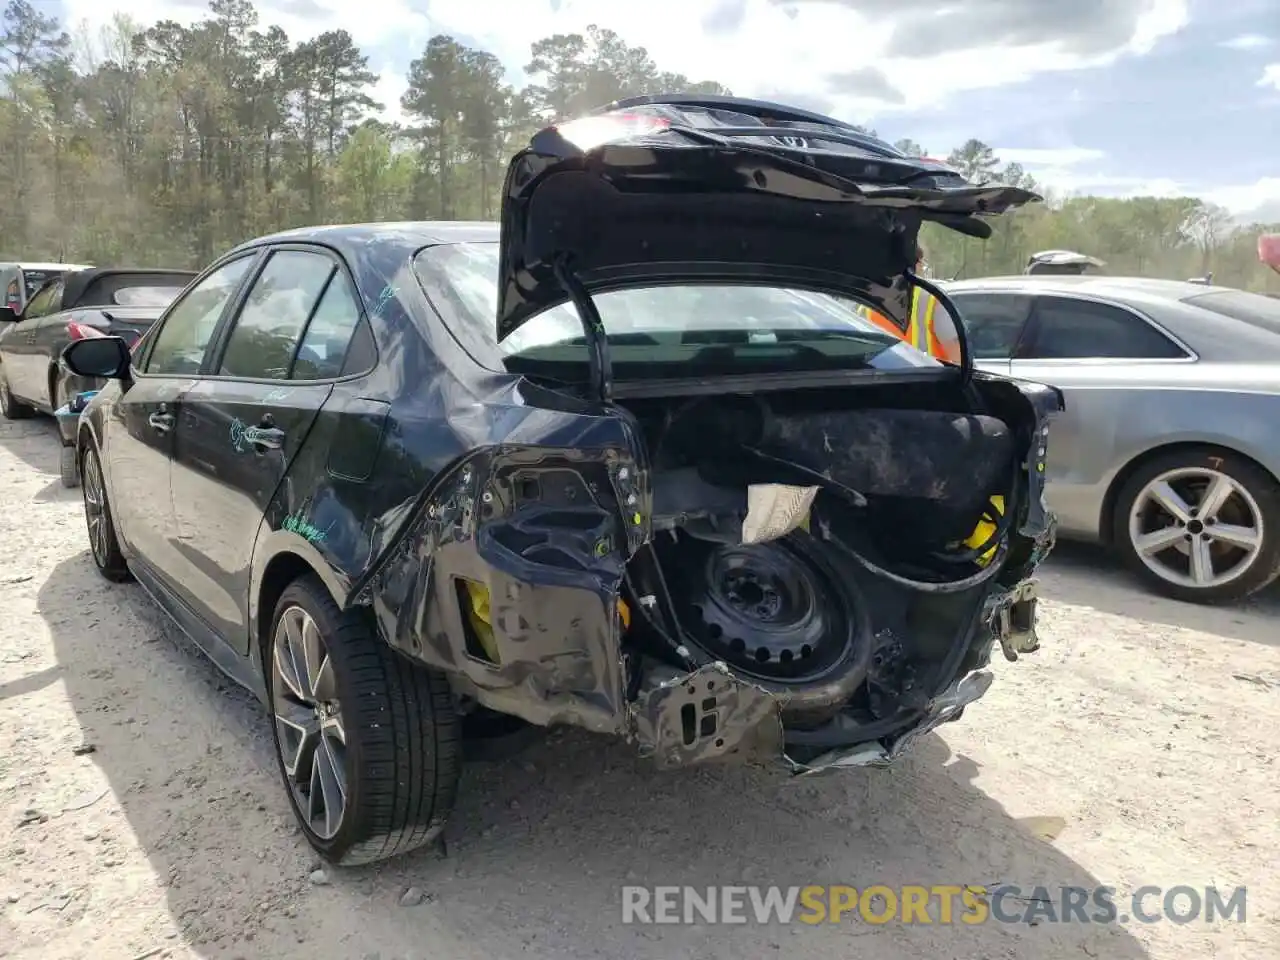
x: 663, y: 190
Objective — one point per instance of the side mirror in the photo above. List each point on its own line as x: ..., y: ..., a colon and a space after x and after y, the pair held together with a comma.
x: 7, y: 315
x: 107, y: 357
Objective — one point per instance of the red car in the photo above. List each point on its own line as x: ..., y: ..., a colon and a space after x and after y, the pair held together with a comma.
x: 1269, y: 250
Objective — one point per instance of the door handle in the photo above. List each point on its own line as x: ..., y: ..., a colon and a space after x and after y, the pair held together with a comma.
x: 161, y: 422
x: 267, y: 438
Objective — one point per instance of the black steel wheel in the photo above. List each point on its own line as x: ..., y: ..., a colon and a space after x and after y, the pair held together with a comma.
x: 367, y: 742
x: 776, y: 611
x: 103, y: 545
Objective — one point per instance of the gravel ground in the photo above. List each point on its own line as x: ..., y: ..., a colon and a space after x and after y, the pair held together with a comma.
x: 140, y: 814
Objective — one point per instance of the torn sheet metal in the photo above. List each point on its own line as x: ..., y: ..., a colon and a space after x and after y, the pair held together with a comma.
x: 942, y: 709
x: 710, y: 714
x: 544, y: 534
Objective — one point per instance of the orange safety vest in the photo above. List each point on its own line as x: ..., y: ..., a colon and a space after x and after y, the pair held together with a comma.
x: 922, y: 329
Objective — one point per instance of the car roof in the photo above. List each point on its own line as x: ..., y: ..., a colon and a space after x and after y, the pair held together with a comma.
x: 409, y: 234
x: 1099, y: 284
x: 1212, y: 335
x: 28, y: 265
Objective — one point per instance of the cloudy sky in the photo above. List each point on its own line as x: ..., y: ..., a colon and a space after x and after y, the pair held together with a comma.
x: 1100, y: 96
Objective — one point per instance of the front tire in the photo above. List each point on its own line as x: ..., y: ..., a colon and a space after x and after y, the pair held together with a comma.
x: 1200, y: 525
x: 68, y: 470
x: 103, y: 544
x: 10, y: 407
x: 367, y: 742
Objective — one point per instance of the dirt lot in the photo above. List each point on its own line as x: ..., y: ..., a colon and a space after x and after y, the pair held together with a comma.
x: 140, y: 814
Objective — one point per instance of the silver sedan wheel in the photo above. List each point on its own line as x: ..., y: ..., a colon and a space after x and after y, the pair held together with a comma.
x: 310, y: 734
x: 1196, y: 527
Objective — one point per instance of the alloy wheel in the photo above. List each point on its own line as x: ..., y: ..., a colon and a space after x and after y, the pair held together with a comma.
x: 1196, y: 527
x: 95, y: 509
x: 310, y: 734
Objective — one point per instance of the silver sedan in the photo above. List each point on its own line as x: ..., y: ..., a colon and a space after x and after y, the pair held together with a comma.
x: 1169, y: 449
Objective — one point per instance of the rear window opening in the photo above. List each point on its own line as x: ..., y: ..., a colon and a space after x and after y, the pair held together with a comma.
x: 664, y: 331
x: 132, y: 288
x: 145, y: 296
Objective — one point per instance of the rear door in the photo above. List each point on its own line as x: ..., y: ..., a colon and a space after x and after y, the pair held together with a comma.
x: 248, y: 414
x: 141, y: 441
x: 1095, y: 352
x: 994, y: 322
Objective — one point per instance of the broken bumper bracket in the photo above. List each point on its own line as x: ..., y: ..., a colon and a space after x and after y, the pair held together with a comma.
x: 1013, y: 619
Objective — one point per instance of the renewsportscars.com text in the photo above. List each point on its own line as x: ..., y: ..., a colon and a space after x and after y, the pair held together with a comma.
x: 935, y: 904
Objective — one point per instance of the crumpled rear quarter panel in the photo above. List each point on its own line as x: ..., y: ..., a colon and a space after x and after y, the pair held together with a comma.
x: 547, y: 532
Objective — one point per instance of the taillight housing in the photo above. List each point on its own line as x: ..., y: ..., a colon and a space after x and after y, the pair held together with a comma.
x: 82, y: 331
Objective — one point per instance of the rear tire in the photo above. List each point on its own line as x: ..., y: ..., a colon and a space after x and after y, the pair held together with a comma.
x: 386, y: 745
x: 1253, y: 502
x: 68, y: 469
x: 10, y: 407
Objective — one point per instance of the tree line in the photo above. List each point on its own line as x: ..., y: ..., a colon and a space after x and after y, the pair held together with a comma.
x: 164, y: 144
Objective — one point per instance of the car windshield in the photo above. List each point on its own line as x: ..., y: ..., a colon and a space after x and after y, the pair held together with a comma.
x: 150, y: 296
x: 1251, y: 308
x: 35, y: 279
x: 697, y: 328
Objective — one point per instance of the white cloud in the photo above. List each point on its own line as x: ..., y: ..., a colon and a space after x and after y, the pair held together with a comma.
x: 1249, y: 201
x: 1248, y: 41
x: 1076, y: 171
x: 775, y: 51
x: 1048, y: 158
x: 1270, y: 76
x: 370, y: 23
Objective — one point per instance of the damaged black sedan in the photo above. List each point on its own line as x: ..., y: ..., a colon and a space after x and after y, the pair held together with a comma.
x: 632, y: 461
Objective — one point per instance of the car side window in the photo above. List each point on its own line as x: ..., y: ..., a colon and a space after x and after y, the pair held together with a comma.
x: 45, y: 302
x: 329, y: 334
x: 274, y: 315
x: 184, y: 336
x: 993, y: 322
x: 1067, y: 329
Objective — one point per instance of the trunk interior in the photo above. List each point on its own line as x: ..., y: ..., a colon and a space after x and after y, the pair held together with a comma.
x: 865, y: 610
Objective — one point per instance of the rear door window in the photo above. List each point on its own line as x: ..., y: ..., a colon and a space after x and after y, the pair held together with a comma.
x: 1067, y: 329
x: 275, y: 314
x: 329, y: 334
x: 993, y: 322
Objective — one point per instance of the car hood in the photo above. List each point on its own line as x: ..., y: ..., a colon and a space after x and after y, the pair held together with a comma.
x: 634, y: 200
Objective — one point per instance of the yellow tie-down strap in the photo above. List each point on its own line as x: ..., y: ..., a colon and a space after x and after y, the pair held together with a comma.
x: 985, y: 528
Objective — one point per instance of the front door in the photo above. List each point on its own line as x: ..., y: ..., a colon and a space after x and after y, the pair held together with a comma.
x: 246, y: 419
x: 150, y: 410
x: 26, y: 367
